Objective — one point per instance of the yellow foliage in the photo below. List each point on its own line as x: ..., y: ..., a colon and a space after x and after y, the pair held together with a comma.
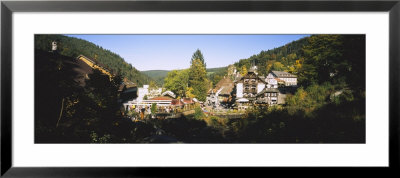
x: 302, y: 94
x: 189, y: 92
x: 244, y: 70
x: 269, y: 67
x: 299, y: 63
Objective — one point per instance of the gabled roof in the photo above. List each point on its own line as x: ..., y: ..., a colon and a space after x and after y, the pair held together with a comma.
x: 261, y: 78
x: 268, y: 90
x: 162, y: 98
x: 126, y: 85
x: 224, y: 86
x: 187, y: 100
x: 169, y: 93
x: 177, y: 102
x: 283, y: 74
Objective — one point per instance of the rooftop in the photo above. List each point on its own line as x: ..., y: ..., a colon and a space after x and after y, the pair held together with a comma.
x: 225, y: 85
x: 283, y: 74
x: 162, y: 98
x: 268, y: 90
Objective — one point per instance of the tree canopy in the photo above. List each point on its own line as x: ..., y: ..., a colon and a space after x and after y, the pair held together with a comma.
x: 198, y: 55
x: 198, y: 79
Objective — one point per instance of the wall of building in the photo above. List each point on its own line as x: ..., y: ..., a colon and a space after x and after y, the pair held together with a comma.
x: 260, y: 87
x: 239, y: 90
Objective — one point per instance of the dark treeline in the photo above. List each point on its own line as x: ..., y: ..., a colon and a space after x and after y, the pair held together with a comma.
x: 67, y: 111
x: 72, y: 47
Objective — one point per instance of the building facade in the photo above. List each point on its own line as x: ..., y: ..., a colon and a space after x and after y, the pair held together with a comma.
x: 288, y: 78
x: 254, y: 89
x: 249, y: 85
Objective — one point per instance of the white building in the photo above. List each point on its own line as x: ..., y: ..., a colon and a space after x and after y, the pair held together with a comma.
x: 249, y: 85
x: 288, y: 78
x: 143, y: 91
x: 271, y: 81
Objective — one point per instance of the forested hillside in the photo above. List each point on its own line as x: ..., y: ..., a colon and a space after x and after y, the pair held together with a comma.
x: 157, y: 75
x: 216, y: 74
x: 281, y: 58
x: 72, y: 47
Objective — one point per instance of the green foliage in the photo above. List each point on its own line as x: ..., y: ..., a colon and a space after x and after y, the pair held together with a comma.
x: 326, y: 109
x: 103, y: 139
x: 315, y: 96
x: 189, y: 92
x: 90, y: 113
x: 156, y: 75
x: 197, y: 55
x: 198, y: 113
x: 153, y: 108
x: 198, y: 79
x: 133, y: 113
x: 214, y: 75
x: 321, y: 54
x: 177, y: 81
x: 72, y: 47
x: 286, y: 55
x: 153, y: 85
x: 278, y: 66
x: 339, y: 59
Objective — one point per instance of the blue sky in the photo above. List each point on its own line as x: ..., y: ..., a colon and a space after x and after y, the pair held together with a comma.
x: 167, y: 52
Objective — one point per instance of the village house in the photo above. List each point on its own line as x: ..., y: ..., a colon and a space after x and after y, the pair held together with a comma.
x: 221, y: 94
x: 249, y: 85
x: 268, y: 96
x: 271, y: 81
x: 166, y: 103
x: 288, y: 78
x: 254, y: 89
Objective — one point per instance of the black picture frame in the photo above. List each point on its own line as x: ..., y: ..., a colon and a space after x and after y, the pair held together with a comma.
x: 8, y: 7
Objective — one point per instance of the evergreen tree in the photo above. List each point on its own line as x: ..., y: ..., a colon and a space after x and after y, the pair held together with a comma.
x: 198, y: 79
x: 198, y: 55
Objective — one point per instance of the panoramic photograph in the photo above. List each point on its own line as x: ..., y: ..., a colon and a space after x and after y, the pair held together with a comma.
x: 199, y: 88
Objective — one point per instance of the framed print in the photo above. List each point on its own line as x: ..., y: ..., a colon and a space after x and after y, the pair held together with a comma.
x: 104, y: 88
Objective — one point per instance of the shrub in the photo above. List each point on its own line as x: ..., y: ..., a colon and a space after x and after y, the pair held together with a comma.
x: 198, y: 113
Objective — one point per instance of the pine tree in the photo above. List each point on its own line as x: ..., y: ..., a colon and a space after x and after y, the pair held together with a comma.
x: 198, y: 55
x: 198, y: 79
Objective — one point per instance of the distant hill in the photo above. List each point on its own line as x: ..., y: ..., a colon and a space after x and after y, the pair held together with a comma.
x: 216, y: 74
x: 72, y: 47
x: 217, y: 70
x: 157, y: 75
